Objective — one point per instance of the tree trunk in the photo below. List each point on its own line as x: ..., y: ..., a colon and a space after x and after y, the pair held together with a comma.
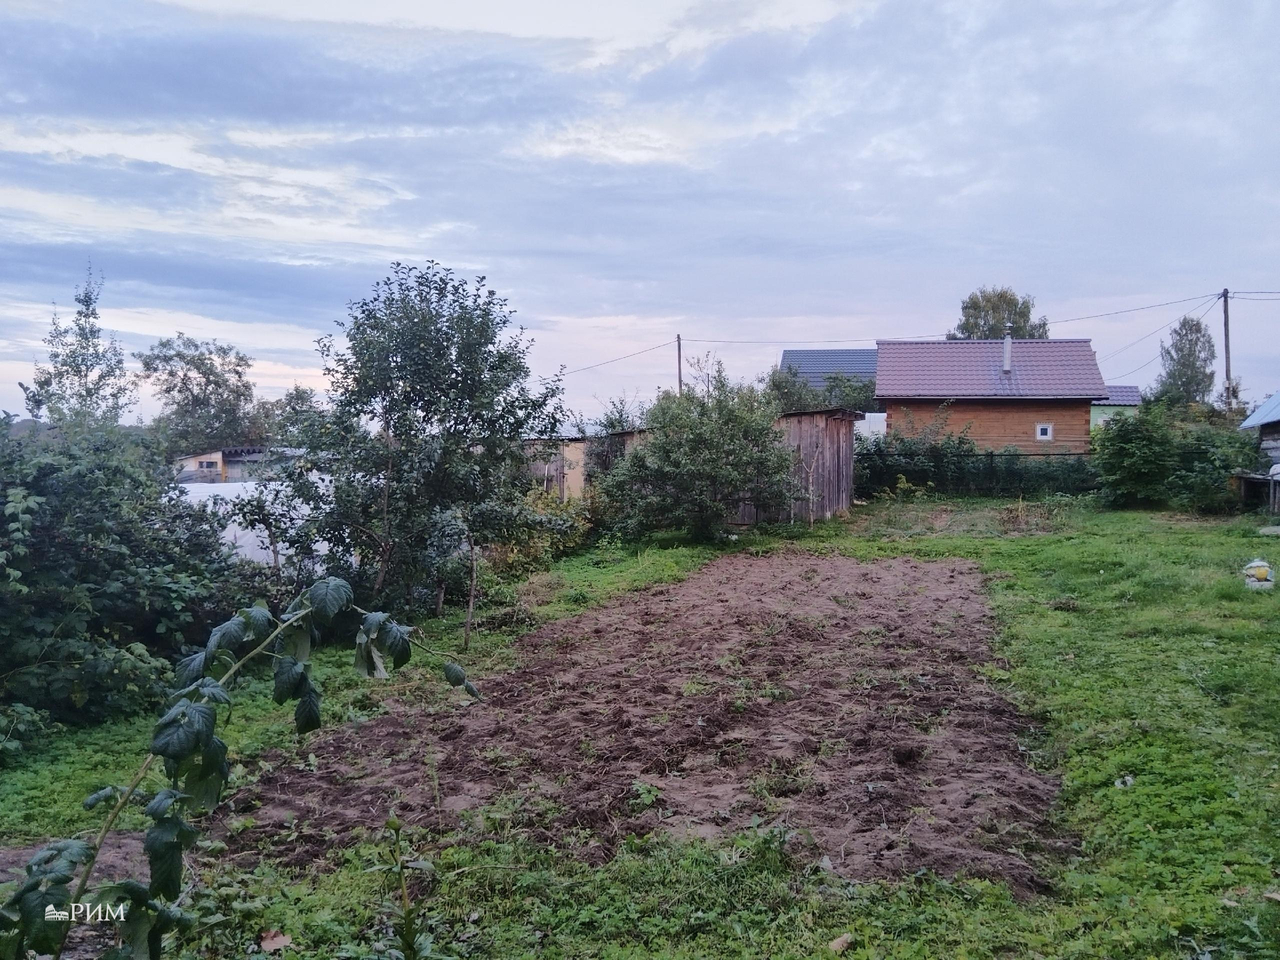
x: 471, y: 596
x: 440, y: 599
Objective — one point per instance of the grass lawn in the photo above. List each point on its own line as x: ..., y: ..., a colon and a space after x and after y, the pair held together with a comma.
x: 1153, y: 674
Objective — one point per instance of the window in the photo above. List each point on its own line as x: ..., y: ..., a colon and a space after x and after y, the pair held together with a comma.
x: 207, y: 465
x: 1044, y: 432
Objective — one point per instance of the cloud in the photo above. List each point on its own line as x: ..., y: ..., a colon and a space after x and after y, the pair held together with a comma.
x: 748, y: 170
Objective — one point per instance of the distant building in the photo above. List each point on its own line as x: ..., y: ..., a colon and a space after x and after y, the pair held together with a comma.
x: 1119, y: 401
x: 814, y: 366
x: 1266, y: 420
x: 1034, y: 395
x: 227, y: 465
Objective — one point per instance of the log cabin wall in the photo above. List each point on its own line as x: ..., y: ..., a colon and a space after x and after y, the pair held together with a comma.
x: 996, y: 424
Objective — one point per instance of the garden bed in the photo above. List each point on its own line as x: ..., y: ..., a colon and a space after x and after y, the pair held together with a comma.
x: 842, y: 700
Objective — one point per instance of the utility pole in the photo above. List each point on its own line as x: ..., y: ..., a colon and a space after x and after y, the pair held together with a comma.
x: 1229, y: 392
x: 680, y: 368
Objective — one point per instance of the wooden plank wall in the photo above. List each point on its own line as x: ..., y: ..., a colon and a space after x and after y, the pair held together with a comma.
x: 996, y: 424
x: 823, y: 442
x: 1270, y: 436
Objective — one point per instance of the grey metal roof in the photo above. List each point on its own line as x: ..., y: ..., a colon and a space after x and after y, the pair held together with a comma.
x: 1267, y: 412
x: 816, y: 365
x: 1120, y: 396
x: 952, y: 369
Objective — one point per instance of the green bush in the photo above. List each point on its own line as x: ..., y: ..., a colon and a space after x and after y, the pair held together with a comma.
x: 951, y: 463
x: 1151, y: 459
x: 104, y: 571
x: 704, y: 454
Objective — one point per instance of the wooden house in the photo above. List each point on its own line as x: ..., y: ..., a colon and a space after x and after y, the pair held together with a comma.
x: 1266, y: 420
x: 1034, y: 395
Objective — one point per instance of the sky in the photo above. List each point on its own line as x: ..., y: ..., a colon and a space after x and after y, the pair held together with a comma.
x: 758, y: 170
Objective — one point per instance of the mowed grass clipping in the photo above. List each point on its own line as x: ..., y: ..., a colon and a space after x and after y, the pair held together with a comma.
x: 1154, y: 675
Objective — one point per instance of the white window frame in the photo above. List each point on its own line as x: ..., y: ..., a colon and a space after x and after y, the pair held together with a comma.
x: 1044, y: 437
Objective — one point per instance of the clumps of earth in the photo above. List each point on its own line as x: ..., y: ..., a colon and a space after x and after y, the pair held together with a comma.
x: 841, y: 700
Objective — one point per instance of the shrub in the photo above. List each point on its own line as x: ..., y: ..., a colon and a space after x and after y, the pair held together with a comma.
x: 553, y: 529
x: 951, y: 463
x: 1150, y: 459
x: 104, y: 570
x: 703, y: 455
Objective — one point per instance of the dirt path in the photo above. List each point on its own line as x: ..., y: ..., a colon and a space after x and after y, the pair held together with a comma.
x: 839, y: 698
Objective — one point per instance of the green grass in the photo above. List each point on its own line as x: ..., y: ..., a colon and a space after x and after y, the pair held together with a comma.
x: 1153, y: 674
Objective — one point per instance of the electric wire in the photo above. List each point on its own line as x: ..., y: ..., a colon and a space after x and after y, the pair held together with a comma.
x: 627, y: 356
x: 1211, y: 298
x: 1214, y: 299
x: 1203, y: 313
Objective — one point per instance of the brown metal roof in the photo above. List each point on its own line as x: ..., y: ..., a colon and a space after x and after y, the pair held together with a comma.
x: 951, y: 369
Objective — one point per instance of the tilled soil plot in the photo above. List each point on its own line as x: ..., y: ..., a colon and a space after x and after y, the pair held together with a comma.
x: 836, y: 697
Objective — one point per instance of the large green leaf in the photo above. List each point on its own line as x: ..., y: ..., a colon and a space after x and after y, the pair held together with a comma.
x: 395, y: 640
x: 259, y: 620
x: 162, y: 801
x: 295, y: 639
x: 229, y: 635
x: 289, y: 677
x: 369, y: 661
x: 306, y: 716
x: 189, y: 669
x: 100, y: 796
x: 204, y: 782
x: 207, y: 688
x: 373, y: 623
x: 43, y: 937
x: 182, y: 731
x: 164, y: 844
x: 329, y: 597
x: 455, y: 674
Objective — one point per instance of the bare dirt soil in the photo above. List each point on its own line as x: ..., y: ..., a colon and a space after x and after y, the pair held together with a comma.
x: 840, y: 699
x: 120, y: 858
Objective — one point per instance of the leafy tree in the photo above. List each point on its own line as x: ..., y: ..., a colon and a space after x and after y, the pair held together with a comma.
x: 852, y: 393
x: 703, y: 454
x: 205, y: 392
x: 85, y: 382
x: 104, y: 569
x: 790, y: 391
x: 431, y: 406
x: 988, y: 312
x: 1187, y: 361
x: 793, y: 392
x: 605, y: 445
x: 280, y: 421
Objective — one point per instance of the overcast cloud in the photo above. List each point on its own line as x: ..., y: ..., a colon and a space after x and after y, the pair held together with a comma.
x: 762, y: 170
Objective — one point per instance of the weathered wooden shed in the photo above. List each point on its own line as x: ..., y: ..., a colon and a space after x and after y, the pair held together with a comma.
x: 558, y: 465
x: 823, y: 442
x: 1266, y: 420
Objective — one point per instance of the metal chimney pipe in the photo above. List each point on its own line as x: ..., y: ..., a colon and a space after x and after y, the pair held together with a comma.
x: 1008, y: 348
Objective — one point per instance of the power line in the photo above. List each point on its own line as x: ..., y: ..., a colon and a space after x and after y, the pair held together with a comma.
x: 1143, y: 367
x: 923, y: 336
x: 1116, y: 313
x: 627, y: 356
x: 1212, y: 300
x: 934, y: 336
x: 1243, y: 295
